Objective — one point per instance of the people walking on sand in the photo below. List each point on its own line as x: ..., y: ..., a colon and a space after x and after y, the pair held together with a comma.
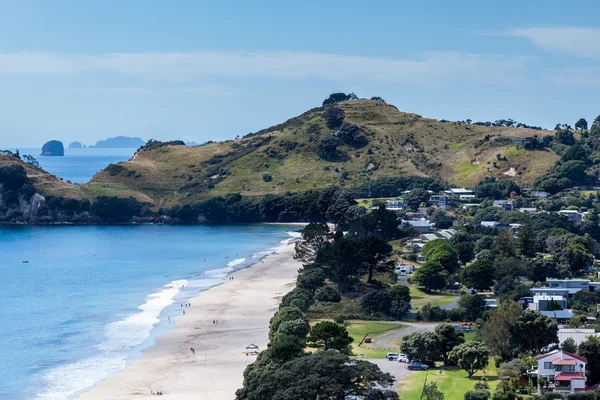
x: 192, y: 350
x: 183, y: 311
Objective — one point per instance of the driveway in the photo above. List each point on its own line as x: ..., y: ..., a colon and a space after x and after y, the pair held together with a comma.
x: 397, y: 369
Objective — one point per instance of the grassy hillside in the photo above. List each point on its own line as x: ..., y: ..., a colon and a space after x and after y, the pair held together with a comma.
x: 398, y: 144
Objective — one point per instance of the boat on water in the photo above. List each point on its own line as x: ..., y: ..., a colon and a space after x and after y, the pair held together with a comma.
x: 25, y: 262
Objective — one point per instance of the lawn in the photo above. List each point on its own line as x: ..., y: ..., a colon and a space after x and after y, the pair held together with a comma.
x: 453, y: 382
x: 419, y: 298
x: 358, y: 329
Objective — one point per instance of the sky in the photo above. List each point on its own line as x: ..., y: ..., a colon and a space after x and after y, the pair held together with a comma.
x: 212, y: 70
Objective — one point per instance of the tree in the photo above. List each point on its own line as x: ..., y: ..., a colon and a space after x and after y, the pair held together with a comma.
x: 322, y: 375
x: 286, y: 347
x: 311, y: 279
x: 497, y: 330
x: 400, y: 293
x: 441, y: 219
x: 448, y: 338
x: 334, y: 117
x: 430, y: 276
x: 431, y: 392
x: 471, y: 356
x: 349, y: 134
x: 336, y: 98
x: 378, y: 99
x: 474, y: 306
x: 513, y: 369
x: 415, y: 197
x: 581, y: 124
x: 328, y: 293
x: 422, y: 347
x: 477, y: 394
x: 465, y: 252
x: 590, y: 349
x: 504, y: 245
x: 329, y: 335
x: 565, y: 136
x: 534, y: 331
x: 373, y: 249
x: 526, y: 239
x: 327, y: 147
x: 569, y: 345
x: 376, y: 302
x: 573, y: 170
x: 314, y: 236
x: 285, y: 314
x: 477, y: 275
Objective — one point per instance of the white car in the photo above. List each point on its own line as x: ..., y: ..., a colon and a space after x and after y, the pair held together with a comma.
x: 403, y: 358
x: 392, y: 356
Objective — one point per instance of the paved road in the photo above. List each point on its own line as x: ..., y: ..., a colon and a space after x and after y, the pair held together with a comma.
x: 387, y: 339
x: 397, y: 369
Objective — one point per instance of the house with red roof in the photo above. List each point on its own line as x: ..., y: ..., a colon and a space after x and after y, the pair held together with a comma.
x: 565, y: 371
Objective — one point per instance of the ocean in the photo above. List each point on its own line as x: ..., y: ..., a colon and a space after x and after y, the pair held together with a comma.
x: 91, y: 298
x: 79, y: 165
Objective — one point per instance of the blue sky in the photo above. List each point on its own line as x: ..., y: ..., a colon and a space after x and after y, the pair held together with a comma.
x: 207, y: 70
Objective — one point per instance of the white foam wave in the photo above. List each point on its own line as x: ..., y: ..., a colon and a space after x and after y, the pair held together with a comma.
x: 236, y: 262
x: 120, y: 337
x: 293, y: 236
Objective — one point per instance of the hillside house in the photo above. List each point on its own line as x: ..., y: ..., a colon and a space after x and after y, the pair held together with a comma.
x: 455, y: 193
x: 565, y: 371
x: 578, y: 335
x: 572, y: 285
x: 540, y: 302
x: 395, y: 205
x: 573, y: 215
x: 420, y: 225
x: 441, y: 201
x: 560, y: 316
x: 539, y: 194
x: 490, y: 224
x: 506, y: 205
x: 528, y: 210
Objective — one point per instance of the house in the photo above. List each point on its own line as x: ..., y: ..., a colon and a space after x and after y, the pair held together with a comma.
x: 506, y: 205
x: 404, y: 269
x: 539, y: 194
x: 514, y: 226
x: 395, y: 205
x: 565, y: 370
x: 421, y: 225
x: 490, y: 224
x: 528, y: 210
x: 578, y: 335
x: 441, y: 201
x: 560, y: 316
x: 469, y: 205
x: 456, y: 192
x: 540, y: 302
x: 546, y: 291
x: 573, y: 215
x: 466, y: 197
x: 573, y: 285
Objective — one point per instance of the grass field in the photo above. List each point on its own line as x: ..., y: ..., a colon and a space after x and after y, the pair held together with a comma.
x: 419, y: 298
x: 358, y: 329
x: 453, y: 382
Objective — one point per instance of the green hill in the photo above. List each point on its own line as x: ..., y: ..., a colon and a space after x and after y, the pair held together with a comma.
x: 284, y: 157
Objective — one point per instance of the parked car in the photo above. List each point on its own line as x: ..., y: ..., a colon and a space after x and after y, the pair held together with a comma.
x: 403, y: 358
x: 417, y: 366
x: 392, y: 356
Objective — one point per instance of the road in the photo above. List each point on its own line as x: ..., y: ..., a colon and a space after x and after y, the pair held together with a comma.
x: 387, y: 339
x: 397, y: 369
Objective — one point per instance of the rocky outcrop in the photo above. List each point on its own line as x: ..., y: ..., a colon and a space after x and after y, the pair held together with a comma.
x: 53, y: 148
x: 120, y: 142
x: 76, y: 145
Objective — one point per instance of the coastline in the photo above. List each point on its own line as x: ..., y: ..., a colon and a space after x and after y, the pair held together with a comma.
x: 242, y: 306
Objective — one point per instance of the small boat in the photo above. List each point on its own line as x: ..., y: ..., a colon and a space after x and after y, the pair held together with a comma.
x: 25, y: 262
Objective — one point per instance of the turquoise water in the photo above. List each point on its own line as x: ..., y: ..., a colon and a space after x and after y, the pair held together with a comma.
x: 91, y: 297
x: 79, y: 165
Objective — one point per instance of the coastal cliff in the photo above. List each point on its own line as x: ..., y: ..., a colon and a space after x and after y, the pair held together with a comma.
x: 53, y: 148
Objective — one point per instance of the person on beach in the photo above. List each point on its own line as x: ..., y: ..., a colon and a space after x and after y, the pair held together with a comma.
x: 192, y: 350
x: 183, y: 311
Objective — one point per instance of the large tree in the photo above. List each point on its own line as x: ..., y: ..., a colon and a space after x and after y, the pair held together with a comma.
x: 431, y: 276
x: 322, y: 375
x: 314, y: 236
x: 497, y: 330
x: 534, y: 331
x: 422, y: 346
x: 526, y: 239
x: 431, y: 392
x: 478, y: 275
x: 448, y: 338
x: 471, y: 357
x: 581, y: 124
x: 590, y: 349
x: 329, y: 335
x: 373, y: 249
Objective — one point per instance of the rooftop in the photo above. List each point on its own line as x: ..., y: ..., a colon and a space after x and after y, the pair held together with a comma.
x: 569, y: 376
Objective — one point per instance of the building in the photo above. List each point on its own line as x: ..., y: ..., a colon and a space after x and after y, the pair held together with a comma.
x: 421, y: 225
x: 572, y: 285
x: 506, y: 205
x: 546, y: 291
x: 395, y: 205
x: 578, y: 335
x: 443, y: 234
x: 469, y: 205
x: 565, y: 371
x: 573, y: 215
x: 466, y: 197
x: 441, y: 201
x: 540, y: 302
x: 539, y: 194
x: 457, y: 192
x: 560, y: 316
x: 490, y: 224
x: 528, y: 210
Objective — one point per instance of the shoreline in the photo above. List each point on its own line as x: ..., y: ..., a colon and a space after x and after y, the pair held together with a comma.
x: 242, y: 306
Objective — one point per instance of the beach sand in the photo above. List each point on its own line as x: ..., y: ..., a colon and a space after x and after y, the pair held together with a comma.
x: 243, y: 307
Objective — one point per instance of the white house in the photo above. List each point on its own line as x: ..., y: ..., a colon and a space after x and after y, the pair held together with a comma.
x: 572, y: 215
x: 540, y: 302
x: 528, y: 210
x: 539, y: 194
x: 579, y: 335
x: 395, y: 205
x: 565, y: 370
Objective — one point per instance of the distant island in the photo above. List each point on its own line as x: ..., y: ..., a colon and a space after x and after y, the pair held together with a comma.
x: 119, y: 142
x: 76, y: 145
x: 53, y: 148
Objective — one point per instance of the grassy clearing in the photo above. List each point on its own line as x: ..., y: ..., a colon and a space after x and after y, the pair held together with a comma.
x: 453, y: 382
x: 465, y: 169
x: 358, y: 329
x: 419, y: 298
x: 457, y: 145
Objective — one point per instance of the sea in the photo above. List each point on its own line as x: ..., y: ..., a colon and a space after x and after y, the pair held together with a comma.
x: 78, y: 303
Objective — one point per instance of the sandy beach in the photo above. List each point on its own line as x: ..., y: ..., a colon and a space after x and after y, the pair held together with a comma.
x: 243, y: 307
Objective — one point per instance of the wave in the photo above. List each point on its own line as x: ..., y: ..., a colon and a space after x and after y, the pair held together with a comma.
x: 120, y: 337
x: 236, y: 262
x: 293, y: 237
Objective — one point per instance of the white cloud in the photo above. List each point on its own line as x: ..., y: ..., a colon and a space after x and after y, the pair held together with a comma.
x: 198, y: 65
x: 568, y: 40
